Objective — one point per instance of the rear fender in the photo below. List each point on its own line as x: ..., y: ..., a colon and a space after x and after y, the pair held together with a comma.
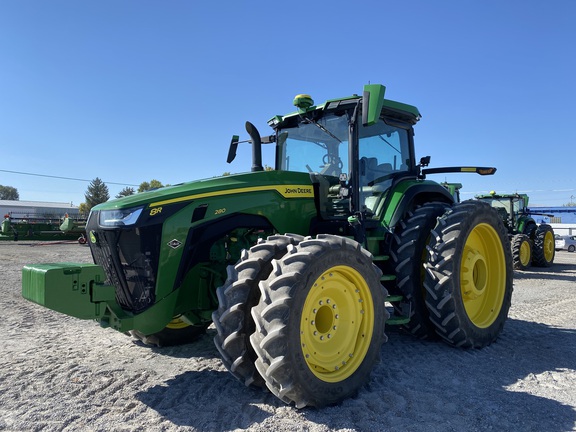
x: 408, y: 195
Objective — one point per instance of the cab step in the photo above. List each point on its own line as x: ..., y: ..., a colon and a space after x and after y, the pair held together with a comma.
x: 397, y: 320
x: 380, y: 257
x: 400, y: 313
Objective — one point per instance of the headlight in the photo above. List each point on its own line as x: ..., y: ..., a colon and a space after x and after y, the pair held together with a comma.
x: 124, y: 217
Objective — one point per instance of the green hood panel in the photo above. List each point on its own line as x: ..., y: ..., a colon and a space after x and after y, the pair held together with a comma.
x: 287, y: 184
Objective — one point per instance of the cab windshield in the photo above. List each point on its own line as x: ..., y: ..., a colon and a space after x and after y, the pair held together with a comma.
x: 321, y: 146
x: 517, y: 205
x: 315, y: 146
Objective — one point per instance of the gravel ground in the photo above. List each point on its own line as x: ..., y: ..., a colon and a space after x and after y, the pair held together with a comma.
x: 62, y: 374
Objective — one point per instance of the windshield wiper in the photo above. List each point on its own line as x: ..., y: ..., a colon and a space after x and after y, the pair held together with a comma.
x: 384, y: 139
x: 323, y: 129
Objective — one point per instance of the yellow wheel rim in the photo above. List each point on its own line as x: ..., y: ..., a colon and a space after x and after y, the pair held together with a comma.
x: 483, y: 275
x: 337, y: 324
x: 525, y: 257
x: 177, y: 323
x: 548, y: 246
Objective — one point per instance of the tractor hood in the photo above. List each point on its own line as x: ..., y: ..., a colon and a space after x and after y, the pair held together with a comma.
x: 287, y: 184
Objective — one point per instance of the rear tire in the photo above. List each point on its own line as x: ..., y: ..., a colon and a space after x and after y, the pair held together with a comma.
x: 408, y: 254
x: 469, y: 275
x: 320, y: 322
x: 232, y: 319
x: 521, y: 251
x: 544, y: 250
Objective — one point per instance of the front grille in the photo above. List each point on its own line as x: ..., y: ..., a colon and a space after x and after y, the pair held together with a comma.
x: 129, y: 257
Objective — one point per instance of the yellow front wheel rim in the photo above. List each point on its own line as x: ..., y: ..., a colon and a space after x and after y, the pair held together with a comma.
x: 337, y: 324
x: 483, y: 275
x: 525, y: 257
x: 177, y: 323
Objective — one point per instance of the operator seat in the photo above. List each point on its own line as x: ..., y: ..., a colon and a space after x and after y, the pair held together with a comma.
x: 367, y: 168
x: 382, y: 170
x: 370, y: 170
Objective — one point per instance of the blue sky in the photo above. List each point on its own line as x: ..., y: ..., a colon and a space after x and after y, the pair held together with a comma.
x: 130, y: 91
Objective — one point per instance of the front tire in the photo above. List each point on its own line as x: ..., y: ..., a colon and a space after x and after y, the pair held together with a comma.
x: 232, y: 319
x: 320, y: 322
x: 469, y: 275
x: 521, y: 251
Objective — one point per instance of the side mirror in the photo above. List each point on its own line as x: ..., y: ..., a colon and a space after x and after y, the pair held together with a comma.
x: 425, y: 161
x: 232, y: 149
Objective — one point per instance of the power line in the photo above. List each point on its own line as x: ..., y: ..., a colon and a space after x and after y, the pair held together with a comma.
x: 526, y: 191
x: 64, y: 178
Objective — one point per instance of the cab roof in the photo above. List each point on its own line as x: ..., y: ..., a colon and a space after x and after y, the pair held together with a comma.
x: 390, y: 108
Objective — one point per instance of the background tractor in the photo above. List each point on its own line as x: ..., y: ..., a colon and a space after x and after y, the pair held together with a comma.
x: 531, y: 244
x: 303, y: 313
x: 454, y: 189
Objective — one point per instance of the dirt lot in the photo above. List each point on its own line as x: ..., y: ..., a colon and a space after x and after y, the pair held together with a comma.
x: 62, y: 374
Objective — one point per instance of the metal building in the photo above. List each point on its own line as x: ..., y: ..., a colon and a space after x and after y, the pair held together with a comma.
x: 37, y: 209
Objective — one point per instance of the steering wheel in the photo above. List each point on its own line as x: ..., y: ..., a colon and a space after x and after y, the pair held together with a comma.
x: 327, y: 159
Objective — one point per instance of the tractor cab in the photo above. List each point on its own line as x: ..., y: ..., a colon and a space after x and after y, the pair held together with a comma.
x: 354, y: 149
x: 352, y: 164
x: 511, y: 207
x: 359, y: 154
x: 532, y: 244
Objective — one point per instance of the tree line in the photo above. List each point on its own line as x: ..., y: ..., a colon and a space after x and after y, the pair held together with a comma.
x: 96, y: 193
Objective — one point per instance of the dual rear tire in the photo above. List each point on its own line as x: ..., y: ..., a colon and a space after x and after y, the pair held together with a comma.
x: 407, y: 258
x: 544, y: 250
x: 469, y: 275
x: 534, y: 248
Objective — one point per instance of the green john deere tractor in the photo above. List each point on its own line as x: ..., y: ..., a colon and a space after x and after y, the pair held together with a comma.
x: 299, y: 268
x: 531, y: 244
x: 454, y: 189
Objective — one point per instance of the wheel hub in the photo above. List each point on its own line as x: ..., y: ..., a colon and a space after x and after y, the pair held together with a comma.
x: 474, y: 274
x: 323, y: 320
x: 483, y: 275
